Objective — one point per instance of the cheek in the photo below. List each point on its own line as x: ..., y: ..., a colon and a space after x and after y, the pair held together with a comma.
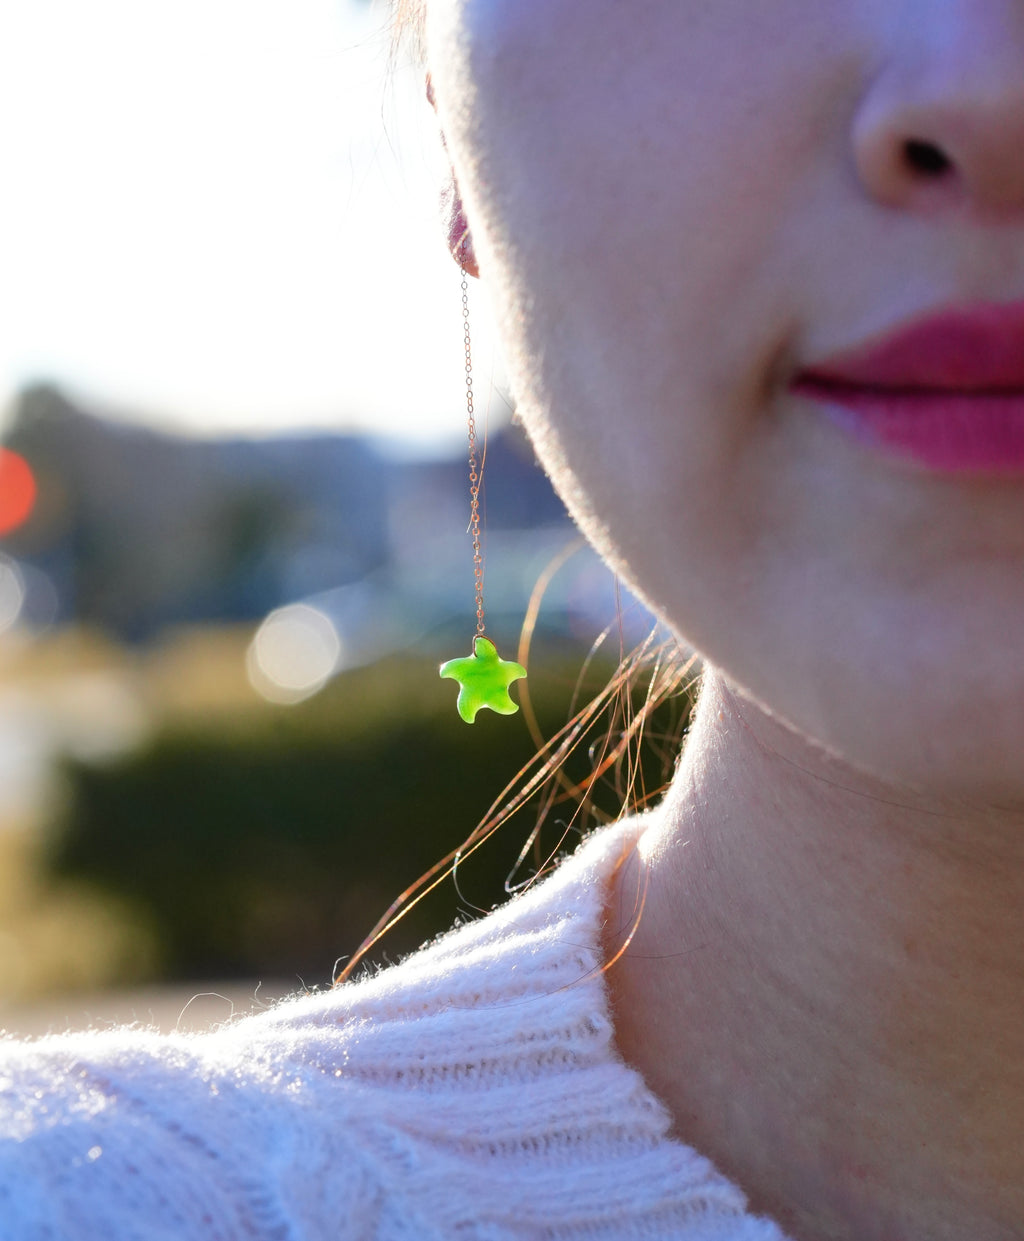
x: 656, y: 190
x: 629, y: 173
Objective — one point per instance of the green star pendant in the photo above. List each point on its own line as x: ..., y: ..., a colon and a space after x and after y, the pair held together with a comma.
x: 484, y: 680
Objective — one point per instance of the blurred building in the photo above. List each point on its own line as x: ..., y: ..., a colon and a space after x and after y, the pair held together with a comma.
x: 137, y: 530
x: 134, y: 530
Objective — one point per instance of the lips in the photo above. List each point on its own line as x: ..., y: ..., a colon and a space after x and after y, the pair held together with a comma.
x: 945, y: 392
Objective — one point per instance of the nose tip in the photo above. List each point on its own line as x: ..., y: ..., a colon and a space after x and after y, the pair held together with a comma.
x: 946, y: 135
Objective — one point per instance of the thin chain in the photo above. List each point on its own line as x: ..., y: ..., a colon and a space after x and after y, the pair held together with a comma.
x: 475, y: 471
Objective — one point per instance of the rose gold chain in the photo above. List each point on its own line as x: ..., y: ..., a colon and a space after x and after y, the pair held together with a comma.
x: 475, y: 470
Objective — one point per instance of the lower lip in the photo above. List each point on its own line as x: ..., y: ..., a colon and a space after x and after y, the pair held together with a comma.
x: 947, y: 431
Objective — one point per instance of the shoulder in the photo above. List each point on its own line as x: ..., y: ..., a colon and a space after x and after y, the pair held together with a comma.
x: 313, y: 1112
x: 130, y: 1134
x: 472, y: 1091
x: 486, y: 1066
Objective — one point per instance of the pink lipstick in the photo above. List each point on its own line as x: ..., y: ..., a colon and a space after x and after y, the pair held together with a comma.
x: 945, y: 392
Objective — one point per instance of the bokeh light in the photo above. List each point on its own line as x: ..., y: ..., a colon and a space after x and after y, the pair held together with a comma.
x: 12, y: 592
x: 17, y: 490
x: 294, y: 653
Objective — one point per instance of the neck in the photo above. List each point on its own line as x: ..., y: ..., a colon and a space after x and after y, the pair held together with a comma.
x: 826, y: 987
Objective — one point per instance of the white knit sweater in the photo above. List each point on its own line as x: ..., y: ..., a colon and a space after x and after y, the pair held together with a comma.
x: 472, y: 1093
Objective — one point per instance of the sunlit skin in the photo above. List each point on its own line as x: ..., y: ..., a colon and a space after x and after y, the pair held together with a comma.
x: 676, y: 206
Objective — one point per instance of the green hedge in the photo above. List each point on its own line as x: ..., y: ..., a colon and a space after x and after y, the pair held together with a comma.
x: 268, y: 844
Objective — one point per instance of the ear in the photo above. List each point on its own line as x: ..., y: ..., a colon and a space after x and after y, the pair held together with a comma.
x: 460, y: 239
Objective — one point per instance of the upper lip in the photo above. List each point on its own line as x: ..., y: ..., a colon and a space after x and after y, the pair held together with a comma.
x: 977, y: 348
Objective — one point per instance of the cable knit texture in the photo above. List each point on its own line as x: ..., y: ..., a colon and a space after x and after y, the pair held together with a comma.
x: 472, y: 1093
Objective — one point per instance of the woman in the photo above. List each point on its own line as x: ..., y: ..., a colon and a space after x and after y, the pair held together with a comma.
x: 760, y: 274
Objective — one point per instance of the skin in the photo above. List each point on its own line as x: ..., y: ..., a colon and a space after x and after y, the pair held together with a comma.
x: 676, y: 205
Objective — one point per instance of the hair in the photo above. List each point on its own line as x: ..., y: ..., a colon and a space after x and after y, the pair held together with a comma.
x: 630, y: 732
x: 407, y: 19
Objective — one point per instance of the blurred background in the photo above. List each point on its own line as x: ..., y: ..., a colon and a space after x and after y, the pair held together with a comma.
x: 233, y: 513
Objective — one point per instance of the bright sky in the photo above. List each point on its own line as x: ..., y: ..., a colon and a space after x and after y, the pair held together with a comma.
x: 217, y: 213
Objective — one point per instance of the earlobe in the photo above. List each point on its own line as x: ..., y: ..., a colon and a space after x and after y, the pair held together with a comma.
x: 460, y: 239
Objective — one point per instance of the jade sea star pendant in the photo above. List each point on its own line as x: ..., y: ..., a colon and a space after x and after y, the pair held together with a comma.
x: 484, y: 680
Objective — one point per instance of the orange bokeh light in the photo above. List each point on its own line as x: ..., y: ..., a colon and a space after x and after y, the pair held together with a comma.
x: 17, y: 490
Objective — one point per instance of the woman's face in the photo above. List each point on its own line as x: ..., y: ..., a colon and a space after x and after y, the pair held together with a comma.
x: 681, y: 207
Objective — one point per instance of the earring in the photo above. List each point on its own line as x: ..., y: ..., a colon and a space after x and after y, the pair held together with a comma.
x: 483, y: 677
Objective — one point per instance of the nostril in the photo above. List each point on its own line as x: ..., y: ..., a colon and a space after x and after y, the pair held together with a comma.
x: 925, y: 159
